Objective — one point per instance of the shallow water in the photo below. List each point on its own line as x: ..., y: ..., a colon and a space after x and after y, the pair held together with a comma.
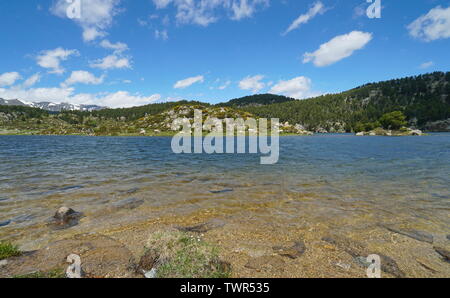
x: 346, y: 182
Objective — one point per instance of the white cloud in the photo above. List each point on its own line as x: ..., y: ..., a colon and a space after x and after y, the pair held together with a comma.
x: 37, y: 94
x: 9, y: 78
x: 51, y: 59
x: 31, y: 81
x: 118, y: 99
x: 246, y: 8
x: 432, y: 26
x: 111, y: 62
x: 252, y: 83
x: 224, y: 86
x: 82, y: 77
x: 317, y: 8
x: 96, y: 16
x: 161, y: 34
x: 338, y: 48
x: 205, y: 12
x: 118, y: 47
x: 188, y: 82
x: 161, y: 3
x: 299, y: 88
x: 427, y: 64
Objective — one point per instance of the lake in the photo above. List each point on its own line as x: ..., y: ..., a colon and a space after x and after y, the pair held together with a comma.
x: 333, y: 182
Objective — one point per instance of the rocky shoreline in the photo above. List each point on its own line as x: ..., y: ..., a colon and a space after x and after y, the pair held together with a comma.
x: 149, y: 250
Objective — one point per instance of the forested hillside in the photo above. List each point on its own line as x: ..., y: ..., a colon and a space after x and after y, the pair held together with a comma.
x: 422, y: 99
x: 256, y: 100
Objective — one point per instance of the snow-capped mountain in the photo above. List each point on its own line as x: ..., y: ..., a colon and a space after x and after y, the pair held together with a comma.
x: 50, y: 106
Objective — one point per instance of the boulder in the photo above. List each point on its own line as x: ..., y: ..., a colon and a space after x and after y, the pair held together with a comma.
x: 416, y: 132
x: 65, y: 218
x: 360, y: 134
x: 64, y: 213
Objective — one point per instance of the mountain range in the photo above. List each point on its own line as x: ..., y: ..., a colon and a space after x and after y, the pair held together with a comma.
x: 50, y: 106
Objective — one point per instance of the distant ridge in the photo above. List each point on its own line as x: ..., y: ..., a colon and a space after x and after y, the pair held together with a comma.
x: 256, y: 100
x: 50, y: 106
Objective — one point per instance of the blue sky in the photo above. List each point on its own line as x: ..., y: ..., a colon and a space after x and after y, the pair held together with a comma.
x: 123, y: 53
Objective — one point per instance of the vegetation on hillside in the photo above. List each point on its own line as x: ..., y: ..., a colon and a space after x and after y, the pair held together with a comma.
x: 421, y: 99
x: 256, y: 100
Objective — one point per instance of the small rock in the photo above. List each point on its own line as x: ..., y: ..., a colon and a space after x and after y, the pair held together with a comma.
x: 448, y: 237
x: 444, y: 253
x: 3, y: 263
x: 296, y: 251
x: 360, y: 134
x: 148, y: 261
x: 4, y: 223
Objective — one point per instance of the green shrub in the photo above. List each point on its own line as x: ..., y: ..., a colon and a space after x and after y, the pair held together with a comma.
x: 8, y: 250
x: 56, y: 273
x: 394, y: 120
x: 184, y: 256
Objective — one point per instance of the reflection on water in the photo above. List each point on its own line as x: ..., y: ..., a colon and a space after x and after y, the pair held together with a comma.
x: 341, y: 180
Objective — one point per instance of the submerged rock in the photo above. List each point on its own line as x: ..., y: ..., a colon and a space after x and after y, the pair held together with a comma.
x: 390, y: 266
x: 359, y: 253
x: 293, y: 252
x: 131, y: 203
x: 4, y: 223
x: 414, y: 234
x: 204, y: 227
x: 448, y: 237
x: 444, y: 253
x: 221, y: 191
